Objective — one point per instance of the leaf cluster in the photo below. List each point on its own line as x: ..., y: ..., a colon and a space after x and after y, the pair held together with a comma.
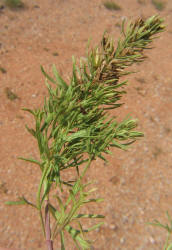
x: 74, y: 126
x: 74, y: 120
x: 64, y: 216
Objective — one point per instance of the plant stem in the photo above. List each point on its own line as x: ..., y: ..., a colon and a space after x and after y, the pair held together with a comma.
x: 47, y: 226
x: 39, y: 199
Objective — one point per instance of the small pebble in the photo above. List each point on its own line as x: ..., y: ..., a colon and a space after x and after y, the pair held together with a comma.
x: 152, y: 240
x: 122, y: 240
x: 113, y: 227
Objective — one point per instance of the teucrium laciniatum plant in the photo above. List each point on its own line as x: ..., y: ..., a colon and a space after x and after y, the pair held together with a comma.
x: 73, y: 127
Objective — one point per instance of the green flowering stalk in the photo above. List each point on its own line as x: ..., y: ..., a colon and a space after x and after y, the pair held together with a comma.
x: 74, y: 127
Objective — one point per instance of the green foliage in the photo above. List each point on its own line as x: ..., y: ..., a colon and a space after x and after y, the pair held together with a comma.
x: 159, y: 5
x: 168, y: 228
x: 21, y: 201
x: 111, y: 5
x: 74, y: 126
x: 77, y: 198
x: 14, y: 4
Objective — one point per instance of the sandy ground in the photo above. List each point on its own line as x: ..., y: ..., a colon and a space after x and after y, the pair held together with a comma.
x: 136, y: 184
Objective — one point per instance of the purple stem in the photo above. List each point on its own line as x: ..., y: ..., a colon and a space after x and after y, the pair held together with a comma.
x: 47, y: 227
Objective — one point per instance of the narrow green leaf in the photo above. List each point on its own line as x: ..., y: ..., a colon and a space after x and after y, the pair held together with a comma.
x: 22, y: 201
x: 72, y: 197
x: 29, y: 110
x: 170, y: 219
x: 54, y: 212
x: 46, y: 192
x: 93, y: 200
x: 61, y: 82
x: 75, y: 235
x: 62, y: 240
x: 79, y: 134
x: 47, y: 76
x: 158, y: 224
x: 94, y: 227
x: 48, y: 121
x: 92, y: 216
x: 81, y: 229
x: 62, y: 208
x: 118, y: 145
x: 31, y: 131
x: 32, y: 161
